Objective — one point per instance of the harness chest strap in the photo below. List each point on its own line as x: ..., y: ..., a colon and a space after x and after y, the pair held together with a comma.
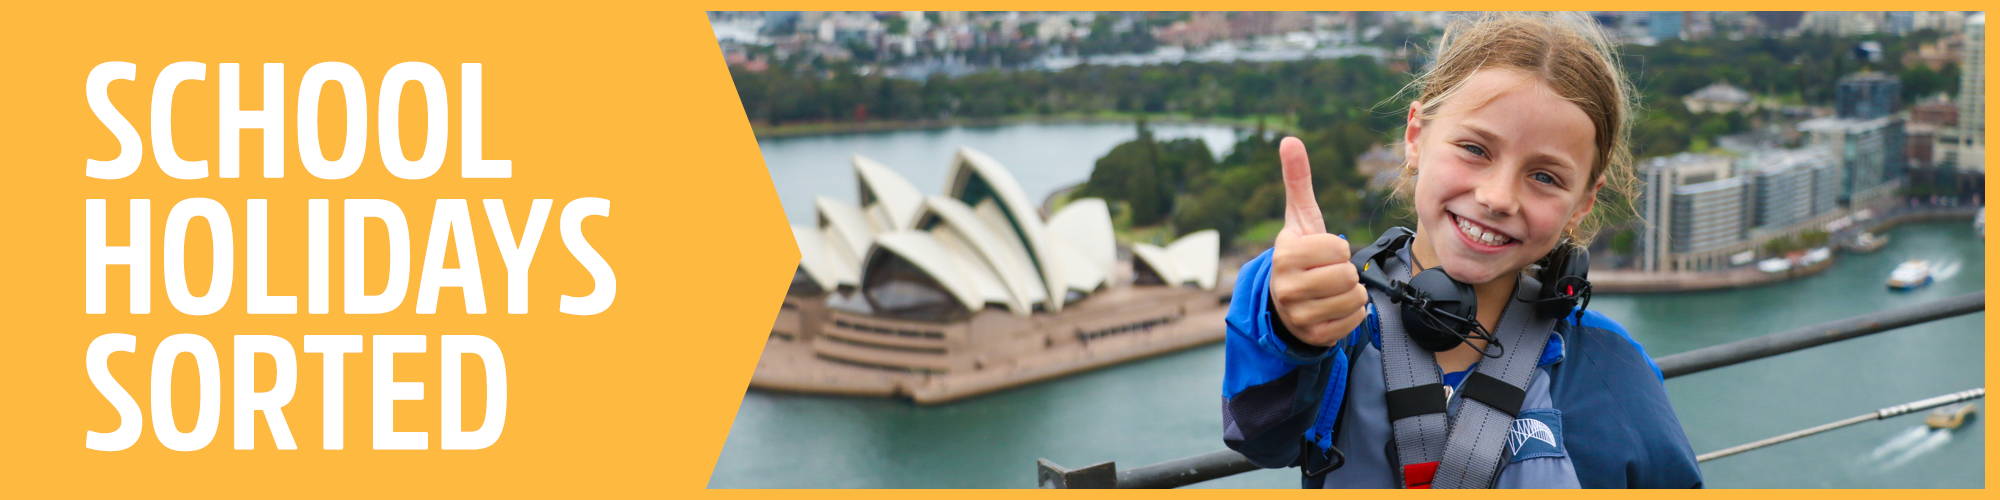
x: 1416, y: 397
x: 1461, y: 452
x: 1474, y: 451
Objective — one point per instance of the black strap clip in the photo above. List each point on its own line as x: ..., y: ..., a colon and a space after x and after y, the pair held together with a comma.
x: 1333, y: 454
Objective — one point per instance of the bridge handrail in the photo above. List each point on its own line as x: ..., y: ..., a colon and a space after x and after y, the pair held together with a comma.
x: 1224, y: 463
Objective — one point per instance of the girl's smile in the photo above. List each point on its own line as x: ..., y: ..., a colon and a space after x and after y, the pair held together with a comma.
x: 1503, y: 170
x: 1480, y: 237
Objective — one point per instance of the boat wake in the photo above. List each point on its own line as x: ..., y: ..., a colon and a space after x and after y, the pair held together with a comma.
x: 1945, y: 270
x: 1908, y: 445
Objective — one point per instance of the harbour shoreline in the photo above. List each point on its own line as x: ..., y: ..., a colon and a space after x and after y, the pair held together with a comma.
x: 1622, y: 281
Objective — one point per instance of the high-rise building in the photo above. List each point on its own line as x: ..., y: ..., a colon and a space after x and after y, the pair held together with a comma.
x: 1707, y: 212
x: 1693, y: 204
x: 1791, y: 186
x: 1710, y: 215
x: 1868, y: 95
x: 1870, y: 153
x: 1972, y: 96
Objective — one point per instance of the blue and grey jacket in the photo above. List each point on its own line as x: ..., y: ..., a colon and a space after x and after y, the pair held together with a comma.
x: 1596, y: 413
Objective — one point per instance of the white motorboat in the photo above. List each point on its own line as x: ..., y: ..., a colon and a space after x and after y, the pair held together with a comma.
x: 1910, y: 274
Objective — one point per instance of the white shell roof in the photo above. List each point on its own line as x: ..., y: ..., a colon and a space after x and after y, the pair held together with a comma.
x: 1015, y: 272
x: 970, y: 163
x: 1084, y: 276
x: 1085, y: 226
x: 923, y: 250
x: 996, y: 251
x: 845, y: 229
x: 1199, y: 255
x: 814, y: 259
x: 1158, y: 259
x: 886, y: 195
x: 1191, y: 259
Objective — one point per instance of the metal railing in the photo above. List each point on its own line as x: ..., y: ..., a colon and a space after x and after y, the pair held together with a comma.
x: 1224, y: 463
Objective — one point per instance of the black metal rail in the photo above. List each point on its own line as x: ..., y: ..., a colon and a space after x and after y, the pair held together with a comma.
x: 1755, y: 348
x: 1224, y: 463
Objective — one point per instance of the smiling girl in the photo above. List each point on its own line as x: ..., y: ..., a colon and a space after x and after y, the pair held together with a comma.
x: 1514, y: 134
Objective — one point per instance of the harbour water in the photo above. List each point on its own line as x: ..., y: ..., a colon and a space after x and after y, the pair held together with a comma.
x: 1169, y: 407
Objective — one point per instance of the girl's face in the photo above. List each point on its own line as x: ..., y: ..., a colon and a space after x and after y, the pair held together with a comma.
x: 1502, y: 171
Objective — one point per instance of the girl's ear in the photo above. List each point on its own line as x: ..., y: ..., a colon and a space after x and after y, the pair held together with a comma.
x: 1412, y: 131
x: 1589, y: 202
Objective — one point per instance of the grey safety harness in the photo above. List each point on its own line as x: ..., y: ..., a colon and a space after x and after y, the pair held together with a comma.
x: 1434, y: 447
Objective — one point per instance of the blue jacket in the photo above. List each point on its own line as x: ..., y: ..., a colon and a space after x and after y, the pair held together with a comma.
x: 1596, y: 415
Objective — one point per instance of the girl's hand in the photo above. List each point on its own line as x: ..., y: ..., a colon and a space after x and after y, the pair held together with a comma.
x: 1314, y: 289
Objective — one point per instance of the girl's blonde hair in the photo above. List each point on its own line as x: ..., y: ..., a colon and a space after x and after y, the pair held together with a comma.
x: 1570, y: 54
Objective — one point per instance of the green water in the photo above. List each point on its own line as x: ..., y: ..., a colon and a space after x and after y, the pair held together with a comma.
x: 1169, y: 407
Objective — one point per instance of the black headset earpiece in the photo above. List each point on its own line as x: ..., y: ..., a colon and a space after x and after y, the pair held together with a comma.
x: 1565, y: 278
x: 1442, y: 310
x: 1439, y: 312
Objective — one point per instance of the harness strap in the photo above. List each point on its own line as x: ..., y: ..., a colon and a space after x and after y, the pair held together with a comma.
x: 1475, y: 449
x: 1435, y: 448
x: 1419, y: 428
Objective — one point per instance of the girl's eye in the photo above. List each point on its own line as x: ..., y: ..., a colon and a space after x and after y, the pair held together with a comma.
x: 1544, y: 177
x: 1474, y: 149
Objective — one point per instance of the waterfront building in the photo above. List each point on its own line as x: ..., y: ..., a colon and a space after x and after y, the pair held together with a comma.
x: 1793, y: 190
x: 1971, y: 152
x: 1693, y: 205
x: 1870, y: 153
x: 1920, y: 144
x: 1709, y: 215
x: 1706, y: 211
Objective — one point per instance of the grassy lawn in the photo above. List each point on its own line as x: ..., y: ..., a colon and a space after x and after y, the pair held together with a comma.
x: 1260, y: 234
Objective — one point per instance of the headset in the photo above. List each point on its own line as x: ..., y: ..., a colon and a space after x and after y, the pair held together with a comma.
x: 1440, y: 312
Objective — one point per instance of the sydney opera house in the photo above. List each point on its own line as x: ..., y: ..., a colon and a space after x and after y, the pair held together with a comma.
x: 940, y: 297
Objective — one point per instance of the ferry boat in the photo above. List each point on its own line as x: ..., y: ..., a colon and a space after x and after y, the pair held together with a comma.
x: 1867, y: 243
x: 1910, y: 274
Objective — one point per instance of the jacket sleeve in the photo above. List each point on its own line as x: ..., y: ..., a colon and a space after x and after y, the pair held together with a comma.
x: 1273, y: 385
x: 1624, y: 428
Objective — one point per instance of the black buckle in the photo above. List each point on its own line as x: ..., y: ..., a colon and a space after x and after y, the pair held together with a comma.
x: 1338, y: 458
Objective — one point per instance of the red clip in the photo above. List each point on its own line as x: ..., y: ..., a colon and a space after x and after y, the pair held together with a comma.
x: 1418, y: 476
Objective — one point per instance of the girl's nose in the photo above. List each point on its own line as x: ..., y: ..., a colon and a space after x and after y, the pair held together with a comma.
x: 1498, y: 192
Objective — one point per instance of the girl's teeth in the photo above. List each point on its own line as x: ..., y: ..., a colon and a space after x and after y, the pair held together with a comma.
x: 1481, y: 235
